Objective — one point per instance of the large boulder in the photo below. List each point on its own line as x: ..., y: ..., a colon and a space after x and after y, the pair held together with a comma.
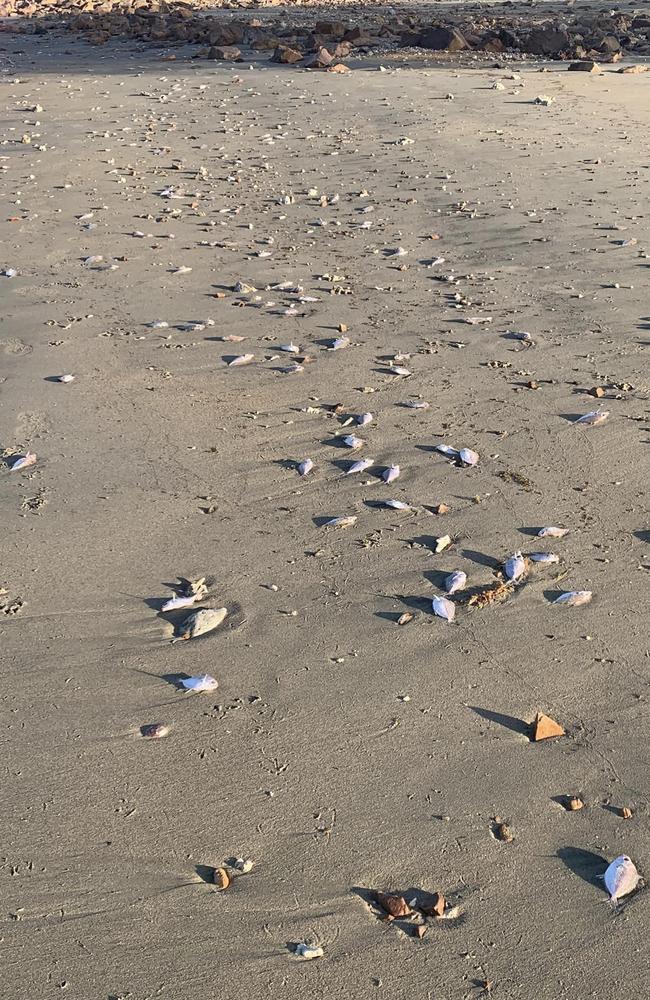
x: 549, y: 40
x: 443, y: 39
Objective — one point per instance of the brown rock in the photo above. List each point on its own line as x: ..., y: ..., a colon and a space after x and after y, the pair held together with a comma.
x: 610, y: 43
x: 338, y: 68
x: 634, y: 69
x: 597, y: 391
x: 626, y: 812
x: 574, y: 803
x: 545, y: 728
x: 436, y: 907
x: 321, y: 60
x: 394, y: 905
x: 439, y: 39
x: 335, y: 29
x: 221, y: 878
x: 503, y: 832
x: 287, y: 55
x: 584, y: 66
x: 226, y: 52
x: 547, y: 41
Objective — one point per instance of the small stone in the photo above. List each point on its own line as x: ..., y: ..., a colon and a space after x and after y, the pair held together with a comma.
x: 419, y: 931
x: 545, y: 728
x: 442, y: 508
x: 584, y: 66
x: 626, y: 813
x: 221, y: 878
x: 597, y: 391
x: 503, y: 832
x: 228, y: 53
x: 574, y: 803
x: 285, y: 54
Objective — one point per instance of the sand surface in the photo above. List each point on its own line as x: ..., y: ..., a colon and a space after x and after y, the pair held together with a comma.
x: 342, y: 752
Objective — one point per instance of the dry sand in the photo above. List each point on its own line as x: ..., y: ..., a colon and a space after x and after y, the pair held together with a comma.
x: 309, y: 758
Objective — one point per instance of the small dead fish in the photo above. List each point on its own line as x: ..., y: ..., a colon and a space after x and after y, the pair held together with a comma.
x: 478, y: 320
x: 305, y: 466
x: 593, y: 418
x: 621, y: 878
x: 241, y: 359
x: 574, y: 598
x: 468, y: 457
x: 179, y: 602
x: 399, y: 370
x: 363, y: 419
x: 308, y: 951
x: 442, y: 543
x: 515, y: 567
x: 352, y: 441
x: 455, y: 581
x: 390, y: 474
x: 203, y: 683
x: 338, y: 343
x: 447, y: 450
x: 544, y: 557
x: 341, y: 522
x: 200, y: 622
x: 552, y: 532
x: 397, y: 505
x: 65, y: 379
x: 416, y: 404
x: 289, y: 348
x: 444, y: 608
x: 156, y: 731
x: 360, y: 466
x: 29, y: 458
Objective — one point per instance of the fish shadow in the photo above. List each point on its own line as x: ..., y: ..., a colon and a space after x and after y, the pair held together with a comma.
x: 531, y: 532
x: 643, y: 535
x: 587, y: 865
x: 205, y: 873
x: 552, y: 595
x: 570, y: 417
x: 286, y: 463
x: 510, y: 722
x: 481, y: 558
x: 175, y: 680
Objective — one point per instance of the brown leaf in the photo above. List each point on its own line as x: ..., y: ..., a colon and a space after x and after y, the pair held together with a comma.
x: 394, y: 905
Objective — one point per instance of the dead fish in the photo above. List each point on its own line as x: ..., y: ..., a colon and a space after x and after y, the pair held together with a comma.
x: 179, y: 602
x: 447, y: 450
x: 515, y: 567
x: 231, y: 338
x: 338, y: 343
x: 397, y: 505
x: 455, y: 581
x: 574, y: 598
x: 352, y: 441
x: 552, y: 532
x: 442, y: 543
x: 23, y: 462
x: 341, y: 522
x: 305, y: 466
x: 621, y: 878
x: 399, y: 370
x: 156, y: 731
x: 243, y: 288
x: 241, y: 359
x: 289, y: 348
x: 593, y: 418
x: 468, y: 457
x: 544, y: 557
x: 65, y: 379
x: 200, y: 622
x: 203, y: 683
x: 308, y: 951
x: 360, y: 466
x: 390, y: 474
x: 363, y: 419
x: 416, y: 404
x: 444, y: 608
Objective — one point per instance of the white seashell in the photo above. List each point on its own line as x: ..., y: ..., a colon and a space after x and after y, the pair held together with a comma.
x: 352, y: 441
x: 552, y: 532
x: 621, y: 877
x: 397, y: 505
x: 442, y: 543
x: 179, y: 602
x: 308, y: 951
x: 202, y: 621
x: 66, y: 379
x: 416, y: 404
x: 455, y: 581
x: 360, y: 466
x: 203, y: 683
x: 515, y: 567
x: 364, y: 419
x: 399, y: 370
x: 468, y: 457
x: 390, y: 474
x: 305, y: 466
x: 451, y: 914
x: 95, y: 259
x: 338, y: 343
x: 574, y: 598
x: 241, y: 359
x: 593, y: 418
x: 341, y: 522
x: 23, y: 462
x: 446, y: 449
x: 444, y: 608
x: 291, y: 369
x: 544, y: 557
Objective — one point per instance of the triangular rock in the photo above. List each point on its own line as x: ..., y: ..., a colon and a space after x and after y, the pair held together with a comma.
x: 545, y: 728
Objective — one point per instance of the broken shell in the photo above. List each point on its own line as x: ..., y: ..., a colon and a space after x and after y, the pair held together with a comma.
x: 444, y: 608
x: 29, y: 458
x: 221, y: 878
x: 407, y: 617
x: 390, y: 474
x: 468, y: 457
x: 155, y: 731
x: 593, y: 418
x: 399, y: 370
x: 203, y: 683
x: 308, y: 951
x: 416, y: 404
x: 455, y: 581
x: 552, y: 532
x: 626, y: 812
x: 338, y: 343
x: 574, y: 803
x: 621, y: 877
x: 515, y: 567
x: 393, y: 904
x: 442, y: 543
x: 202, y: 621
x: 244, y: 865
x: 305, y: 466
x: 574, y: 598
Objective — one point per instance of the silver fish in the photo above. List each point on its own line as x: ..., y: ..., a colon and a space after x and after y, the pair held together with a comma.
x: 23, y: 462
x: 203, y: 683
x: 352, y: 441
x: 444, y: 608
x: 416, y: 404
x: 621, y: 878
x: 179, y: 602
x: 399, y: 370
x: 552, y: 532
x: 305, y: 466
x: 201, y: 621
x: 241, y: 359
x: 593, y: 418
x: 468, y: 457
x: 341, y: 522
x: 360, y: 466
x: 446, y: 449
x: 455, y: 581
x: 289, y: 348
x: 544, y: 557
x: 574, y: 598
x: 390, y: 474
x: 363, y: 419
x: 397, y: 505
x: 515, y: 567
x: 308, y: 951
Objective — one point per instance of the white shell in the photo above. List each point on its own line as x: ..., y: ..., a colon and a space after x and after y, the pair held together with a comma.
x: 390, y: 474
x: 552, y: 532
x: 305, y: 466
x: 308, y: 951
x: 468, y: 457
x: 352, y: 441
x: 593, y: 418
x: 66, y: 378
x: 442, y: 543
x: 515, y: 567
x: 399, y: 370
x: 444, y: 608
x: 574, y: 598
x: 455, y: 581
x: 201, y: 621
x: 203, y: 683
x: 621, y: 877
x: 417, y: 404
x: 244, y: 865
x: 290, y: 348
x: 360, y: 466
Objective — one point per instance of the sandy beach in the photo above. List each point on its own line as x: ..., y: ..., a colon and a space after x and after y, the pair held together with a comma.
x: 428, y: 214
